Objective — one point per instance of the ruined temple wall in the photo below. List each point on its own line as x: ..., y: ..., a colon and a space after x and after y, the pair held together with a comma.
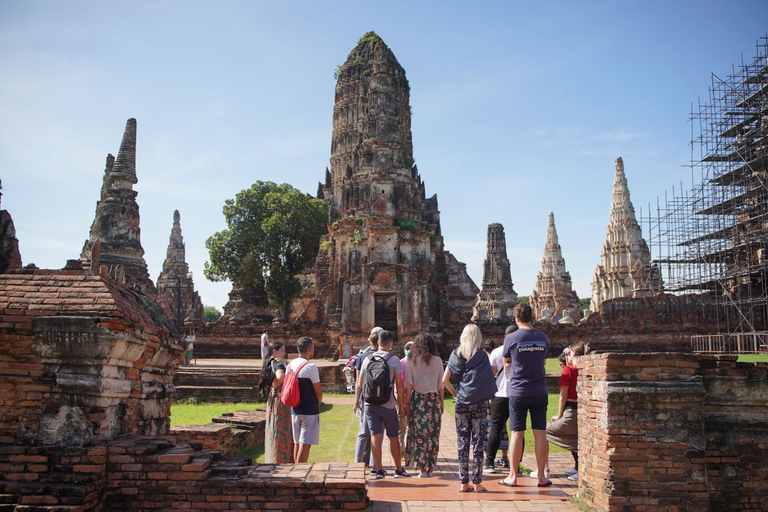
x: 660, y: 431
x: 82, y: 361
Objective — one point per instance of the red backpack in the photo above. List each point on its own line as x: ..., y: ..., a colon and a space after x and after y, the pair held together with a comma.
x: 290, y: 395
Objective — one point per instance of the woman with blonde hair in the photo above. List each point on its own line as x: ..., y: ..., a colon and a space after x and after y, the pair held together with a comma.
x: 424, y: 404
x: 476, y: 386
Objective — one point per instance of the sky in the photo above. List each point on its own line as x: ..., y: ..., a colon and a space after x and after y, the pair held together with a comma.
x: 519, y: 109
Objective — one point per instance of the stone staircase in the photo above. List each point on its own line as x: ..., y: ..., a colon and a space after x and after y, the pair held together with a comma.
x: 233, y: 384
x: 228, y: 384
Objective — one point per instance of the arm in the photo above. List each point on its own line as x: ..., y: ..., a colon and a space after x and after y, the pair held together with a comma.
x: 447, y: 382
x: 561, y: 402
x: 399, y: 394
x: 407, y: 404
x: 279, y: 378
x: 358, y: 390
x: 318, y: 392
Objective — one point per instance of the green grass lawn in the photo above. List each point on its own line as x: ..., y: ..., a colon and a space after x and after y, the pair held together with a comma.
x: 188, y: 413
x: 553, y: 365
x: 753, y: 358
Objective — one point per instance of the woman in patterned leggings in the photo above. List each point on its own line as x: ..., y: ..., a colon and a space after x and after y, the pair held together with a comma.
x: 476, y: 386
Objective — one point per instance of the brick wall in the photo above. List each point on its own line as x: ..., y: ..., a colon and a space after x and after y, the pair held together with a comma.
x: 664, y: 431
x: 158, y: 474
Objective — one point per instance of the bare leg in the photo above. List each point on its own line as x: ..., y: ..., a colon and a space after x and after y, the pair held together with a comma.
x: 301, y: 453
x: 542, y: 453
x: 516, y: 440
x: 376, y: 441
x: 394, y: 447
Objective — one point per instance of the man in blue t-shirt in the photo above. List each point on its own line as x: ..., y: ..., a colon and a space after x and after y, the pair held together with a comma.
x: 525, y: 353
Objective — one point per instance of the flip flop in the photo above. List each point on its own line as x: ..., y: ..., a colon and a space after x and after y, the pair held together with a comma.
x: 480, y: 489
x: 465, y: 490
x: 549, y: 482
x: 506, y: 484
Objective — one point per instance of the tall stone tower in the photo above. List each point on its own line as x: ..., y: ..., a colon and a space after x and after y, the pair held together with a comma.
x: 497, y: 297
x: 116, y: 225
x: 554, y: 289
x: 382, y: 262
x: 175, y: 289
x: 625, y: 268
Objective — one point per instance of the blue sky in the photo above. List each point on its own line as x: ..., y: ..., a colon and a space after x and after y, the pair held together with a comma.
x: 519, y: 109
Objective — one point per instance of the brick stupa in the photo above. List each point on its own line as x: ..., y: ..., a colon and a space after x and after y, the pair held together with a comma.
x: 554, y: 289
x: 382, y: 262
x: 625, y: 268
x: 497, y: 297
x: 175, y: 289
x: 115, y: 237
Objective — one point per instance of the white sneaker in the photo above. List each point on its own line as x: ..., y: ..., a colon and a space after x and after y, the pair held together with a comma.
x: 424, y: 474
x: 547, y: 474
x: 574, y: 476
x: 571, y: 472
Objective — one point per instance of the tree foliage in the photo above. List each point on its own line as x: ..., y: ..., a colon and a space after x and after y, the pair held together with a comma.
x: 273, y: 233
x: 584, y: 303
x: 211, y: 314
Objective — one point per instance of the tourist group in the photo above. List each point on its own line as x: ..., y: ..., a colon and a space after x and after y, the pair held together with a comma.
x: 403, y: 398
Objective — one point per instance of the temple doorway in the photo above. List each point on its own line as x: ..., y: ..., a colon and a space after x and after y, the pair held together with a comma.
x: 385, y: 311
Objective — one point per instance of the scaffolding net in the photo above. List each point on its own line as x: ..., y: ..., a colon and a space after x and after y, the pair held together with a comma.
x: 712, y: 239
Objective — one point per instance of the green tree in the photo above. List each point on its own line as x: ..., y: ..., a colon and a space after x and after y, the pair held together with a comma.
x: 273, y: 233
x: 584, y: 303
x: 523, y: 299
x: 211, y: 313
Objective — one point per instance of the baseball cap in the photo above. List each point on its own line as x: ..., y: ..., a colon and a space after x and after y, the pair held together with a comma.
x: 376, y: 330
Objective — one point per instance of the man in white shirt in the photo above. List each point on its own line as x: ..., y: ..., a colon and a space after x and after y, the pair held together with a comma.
x: 264, y: 344
x: 499, y: 408
x: 305, y: 419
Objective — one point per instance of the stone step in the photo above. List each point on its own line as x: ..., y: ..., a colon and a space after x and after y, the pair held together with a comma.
x: 231, y: 468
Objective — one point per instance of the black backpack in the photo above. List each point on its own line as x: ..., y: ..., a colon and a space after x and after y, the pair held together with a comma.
x: 377, y: 387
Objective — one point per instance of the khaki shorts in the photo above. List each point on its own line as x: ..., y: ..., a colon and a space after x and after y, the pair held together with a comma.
x: 306, y: 428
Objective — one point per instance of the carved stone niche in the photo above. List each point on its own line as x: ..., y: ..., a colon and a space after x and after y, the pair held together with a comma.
x: 89, y: 364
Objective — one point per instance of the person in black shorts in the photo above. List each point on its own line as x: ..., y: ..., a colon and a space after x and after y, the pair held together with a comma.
x: 525, y: 354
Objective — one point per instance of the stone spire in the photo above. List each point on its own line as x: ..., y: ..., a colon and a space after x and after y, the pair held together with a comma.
x: 116, y: 224
x: 497, y: 297
x: 625, y: 268
x: 371, y: 138
x: 383, y: 261
x: 10, y: 257
x: 175, y: 288
x: 554, y: 291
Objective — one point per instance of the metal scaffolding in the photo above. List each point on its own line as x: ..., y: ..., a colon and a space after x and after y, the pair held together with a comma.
x: 712, y: 239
